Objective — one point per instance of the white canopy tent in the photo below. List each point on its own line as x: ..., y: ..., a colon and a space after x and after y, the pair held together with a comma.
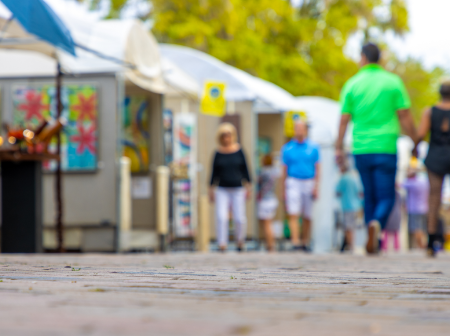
x: 178, y: 82
x: 241, y: 86
x: 102, y: 46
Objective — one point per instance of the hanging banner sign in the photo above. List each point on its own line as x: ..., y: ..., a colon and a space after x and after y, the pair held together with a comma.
x: 290, y: 119
x: 185, y: 189
x: 213, y: 99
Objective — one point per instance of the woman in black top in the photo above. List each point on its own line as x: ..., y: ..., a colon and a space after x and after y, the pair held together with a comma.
x: 436, y: 120
x: 229, y: 186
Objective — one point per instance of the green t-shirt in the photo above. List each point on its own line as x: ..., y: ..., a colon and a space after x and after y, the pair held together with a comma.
x: 372, y: 97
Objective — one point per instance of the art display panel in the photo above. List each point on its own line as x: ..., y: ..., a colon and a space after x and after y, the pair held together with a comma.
x: 184, y: 190
x: 32, y: 104
x: 136, y: 137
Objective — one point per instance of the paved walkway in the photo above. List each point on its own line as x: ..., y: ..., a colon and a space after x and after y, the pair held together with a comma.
x: 213, y: 294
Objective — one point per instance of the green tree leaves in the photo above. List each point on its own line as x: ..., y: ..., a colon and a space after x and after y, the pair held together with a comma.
x: 297, y: 48
x: 301, y: 48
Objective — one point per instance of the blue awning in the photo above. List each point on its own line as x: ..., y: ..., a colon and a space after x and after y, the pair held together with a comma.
x: 38, y: 19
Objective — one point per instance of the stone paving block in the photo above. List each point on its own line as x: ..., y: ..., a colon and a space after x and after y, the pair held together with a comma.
x: 231, y: 294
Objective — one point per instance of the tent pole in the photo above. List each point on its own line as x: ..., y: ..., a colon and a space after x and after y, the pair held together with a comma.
x: 59, y: 106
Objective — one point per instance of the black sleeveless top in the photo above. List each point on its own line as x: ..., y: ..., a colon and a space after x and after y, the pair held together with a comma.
x: 438, y: 158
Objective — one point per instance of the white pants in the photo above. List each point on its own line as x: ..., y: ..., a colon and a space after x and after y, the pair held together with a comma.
x: 233, y: 198
x: 299, y: 200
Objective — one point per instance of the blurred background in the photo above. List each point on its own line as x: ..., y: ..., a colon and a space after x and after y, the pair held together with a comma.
x: 307, y: 47
x: 135, y: 91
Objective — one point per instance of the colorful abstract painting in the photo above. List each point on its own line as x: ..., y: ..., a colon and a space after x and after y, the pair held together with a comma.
x: 184, y: 191
x: 34, y: 103
x: 135, y: 133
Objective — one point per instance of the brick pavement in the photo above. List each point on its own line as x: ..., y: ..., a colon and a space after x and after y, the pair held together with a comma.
x: 232, y: 294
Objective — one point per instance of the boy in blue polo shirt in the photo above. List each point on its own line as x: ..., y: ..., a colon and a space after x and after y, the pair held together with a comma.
x: 300, y: 159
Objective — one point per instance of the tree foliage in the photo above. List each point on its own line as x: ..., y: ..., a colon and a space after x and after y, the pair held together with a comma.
x: 300, y: 48
x: 422, y: 85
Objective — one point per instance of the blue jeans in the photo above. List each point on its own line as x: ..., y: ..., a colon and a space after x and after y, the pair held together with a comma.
x: 378, y: 178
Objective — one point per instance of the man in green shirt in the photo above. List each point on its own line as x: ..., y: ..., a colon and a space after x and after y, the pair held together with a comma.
x: 377, y: 103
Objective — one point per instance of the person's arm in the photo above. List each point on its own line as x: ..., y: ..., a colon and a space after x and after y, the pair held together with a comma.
x: 316, y: 181
x: 425, y: 125
x: 246, y: 176
x: 283, y: 181
x: 339, y: 188
x: 315, y: 193
x: 347, y: 109
x: 407, y: 124
x: 343, y: 125
x: 403, y: 105
x: 214, y: 178
x: 283, y: 173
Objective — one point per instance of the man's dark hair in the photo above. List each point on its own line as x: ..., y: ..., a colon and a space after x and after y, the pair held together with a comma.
x: 372, y: 52
x: 444, y: 90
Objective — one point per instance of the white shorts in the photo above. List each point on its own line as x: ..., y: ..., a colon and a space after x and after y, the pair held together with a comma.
x: 299, y: 198
x: 350, y: 220
x: 267, y: 208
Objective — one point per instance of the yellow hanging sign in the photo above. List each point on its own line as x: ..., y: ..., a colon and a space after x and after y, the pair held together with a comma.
x: 213, y: 99
x: 290, y: 118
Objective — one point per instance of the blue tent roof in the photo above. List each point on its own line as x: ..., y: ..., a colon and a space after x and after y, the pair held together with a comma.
x: 38, y: 19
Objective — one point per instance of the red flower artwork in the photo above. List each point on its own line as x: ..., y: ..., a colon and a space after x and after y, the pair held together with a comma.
x: 33, y: 106
x: 85, y: 138
x: 86, y: 106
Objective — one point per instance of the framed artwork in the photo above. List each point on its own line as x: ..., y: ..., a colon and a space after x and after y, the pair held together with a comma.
x: 34, y: 103
x: 136, y: 137
x: 184, y: 191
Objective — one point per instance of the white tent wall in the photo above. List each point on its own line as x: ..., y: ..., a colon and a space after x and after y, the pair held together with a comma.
x: 89, y: 199
x: 324, y: 207
x: 323, y: 116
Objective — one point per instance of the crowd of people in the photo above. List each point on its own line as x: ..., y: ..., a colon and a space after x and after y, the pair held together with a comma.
x: 378, y: 105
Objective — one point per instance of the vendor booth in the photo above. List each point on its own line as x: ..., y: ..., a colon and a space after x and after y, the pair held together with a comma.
x: 254, y: 106
x: 112, y: 97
